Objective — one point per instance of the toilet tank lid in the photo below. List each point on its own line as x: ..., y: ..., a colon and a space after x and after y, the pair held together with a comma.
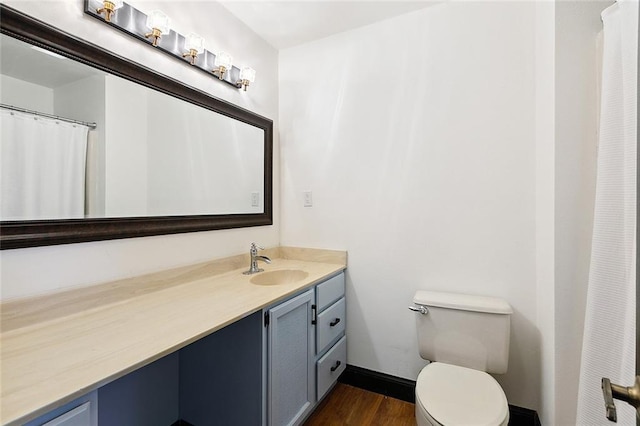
x: 464, y: 302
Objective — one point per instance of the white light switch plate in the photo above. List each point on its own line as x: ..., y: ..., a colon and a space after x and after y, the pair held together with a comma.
x: 308, y: 199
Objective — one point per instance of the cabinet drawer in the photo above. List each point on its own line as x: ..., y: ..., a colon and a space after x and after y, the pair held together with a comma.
x: 330, y: 325
x: 331, y: 366
x: 330, y: 291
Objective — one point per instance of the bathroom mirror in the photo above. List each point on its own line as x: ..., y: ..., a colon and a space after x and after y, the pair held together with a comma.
x: 152, y: 156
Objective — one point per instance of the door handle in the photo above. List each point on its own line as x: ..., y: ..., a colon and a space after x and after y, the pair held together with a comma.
x: 630, y: 395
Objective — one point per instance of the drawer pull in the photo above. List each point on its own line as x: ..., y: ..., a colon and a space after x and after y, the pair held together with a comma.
x: 335, y: 367
x: 334, y: 322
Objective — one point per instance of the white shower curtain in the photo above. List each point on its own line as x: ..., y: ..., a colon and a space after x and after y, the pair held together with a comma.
x: 42, y: 164
x: 609, y: 334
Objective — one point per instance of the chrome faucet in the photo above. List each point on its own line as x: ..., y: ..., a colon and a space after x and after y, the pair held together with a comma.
x: 253, y: 268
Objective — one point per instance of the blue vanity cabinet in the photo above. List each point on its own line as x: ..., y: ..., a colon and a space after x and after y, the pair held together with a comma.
x: 290, y: 360
x: 305, y: 351
x: 271, y: 368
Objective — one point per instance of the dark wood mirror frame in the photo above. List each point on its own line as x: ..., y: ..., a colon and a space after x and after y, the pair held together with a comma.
x: 21, y: 234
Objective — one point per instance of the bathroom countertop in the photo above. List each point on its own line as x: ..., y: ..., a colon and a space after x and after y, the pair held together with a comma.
x: 57, y: 347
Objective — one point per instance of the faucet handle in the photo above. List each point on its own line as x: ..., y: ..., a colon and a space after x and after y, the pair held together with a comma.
x: 255, y: 247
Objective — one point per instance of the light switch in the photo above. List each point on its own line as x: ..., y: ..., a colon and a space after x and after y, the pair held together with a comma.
x: 255, y: 199
x: 308, y: 199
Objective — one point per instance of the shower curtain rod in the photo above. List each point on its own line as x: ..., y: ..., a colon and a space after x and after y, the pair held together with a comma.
x: 42, y: 114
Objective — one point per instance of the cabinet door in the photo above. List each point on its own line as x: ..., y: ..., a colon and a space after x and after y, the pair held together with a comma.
x: 79, y: 416
x: 79, y: 412
x: 291, y: 378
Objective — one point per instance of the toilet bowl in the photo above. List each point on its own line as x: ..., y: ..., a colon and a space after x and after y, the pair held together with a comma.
x: 452, y: 395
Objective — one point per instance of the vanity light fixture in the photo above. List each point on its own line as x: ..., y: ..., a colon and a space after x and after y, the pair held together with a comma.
x: 222, y: 63
x: 247, y: 76
x: 159, y: 24
x: 150, y: 28
x: 195, y: 45
x: 109, y: 7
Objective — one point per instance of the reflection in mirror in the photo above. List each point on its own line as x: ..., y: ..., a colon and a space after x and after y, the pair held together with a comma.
x: 150, y: 154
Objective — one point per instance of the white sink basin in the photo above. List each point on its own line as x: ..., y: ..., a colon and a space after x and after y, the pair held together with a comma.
x: 282, y: 276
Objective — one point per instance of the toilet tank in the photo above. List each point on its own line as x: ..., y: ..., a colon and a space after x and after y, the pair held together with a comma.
x: 465, y: 330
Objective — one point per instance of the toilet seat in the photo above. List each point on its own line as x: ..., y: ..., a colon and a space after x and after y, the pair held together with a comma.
x: 451, y: 395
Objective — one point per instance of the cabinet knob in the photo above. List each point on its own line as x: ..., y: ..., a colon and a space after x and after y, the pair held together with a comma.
x: 335, y: 367
x: 334, y: 322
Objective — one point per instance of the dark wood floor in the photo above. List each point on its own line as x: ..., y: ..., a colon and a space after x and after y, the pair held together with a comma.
x: 348, y: 405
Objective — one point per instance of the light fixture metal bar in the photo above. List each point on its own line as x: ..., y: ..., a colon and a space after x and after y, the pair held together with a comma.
x: 134, y: 23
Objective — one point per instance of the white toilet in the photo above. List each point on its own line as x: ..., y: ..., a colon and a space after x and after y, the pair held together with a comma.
x: 465, y: 337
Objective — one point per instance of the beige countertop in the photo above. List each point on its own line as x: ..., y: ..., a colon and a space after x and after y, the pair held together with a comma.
x: 57, y: 347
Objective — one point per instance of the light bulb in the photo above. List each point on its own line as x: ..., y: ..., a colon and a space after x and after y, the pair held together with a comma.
x: 157, y: 20
x: 223, y: 59
x: 247, y: 76
x: 194, y: 42
x: 222, y: 63
x: 248, y: 73
x: 159, y: 24
x: 194, y: 45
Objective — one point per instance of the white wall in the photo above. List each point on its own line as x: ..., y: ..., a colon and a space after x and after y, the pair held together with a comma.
x: 545, y: 205
x: 36, y: 270
x: 127, y: 111
x: 91, y: 109
x: 27, y: 95
x: 167, y: 157
x: 201, y: 162
x: 424, y: 170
